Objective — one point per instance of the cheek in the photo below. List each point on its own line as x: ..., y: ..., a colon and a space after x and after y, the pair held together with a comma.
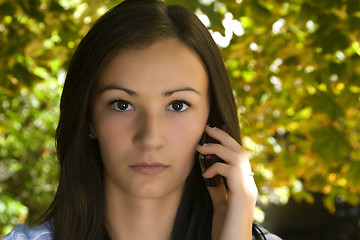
x: 111, y: 135
x: 189, y: 129
x: 185, y: 137
x: 184, y: 151
x: 107, y: 130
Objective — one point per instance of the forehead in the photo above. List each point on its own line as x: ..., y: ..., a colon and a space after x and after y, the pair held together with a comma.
x: 164, y: 64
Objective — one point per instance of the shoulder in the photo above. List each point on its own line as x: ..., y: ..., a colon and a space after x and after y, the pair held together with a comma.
x: 266, y: 234
x: 270, y: 236
x: 23, y: 232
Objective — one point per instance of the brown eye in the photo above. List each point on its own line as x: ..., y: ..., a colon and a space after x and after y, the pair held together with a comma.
x: 121, y: 105
x: 178, y: 106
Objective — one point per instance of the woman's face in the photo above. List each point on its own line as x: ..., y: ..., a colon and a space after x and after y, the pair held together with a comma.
x: 149, y: 111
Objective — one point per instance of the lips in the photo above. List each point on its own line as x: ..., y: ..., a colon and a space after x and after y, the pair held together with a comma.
x: 148, y: 169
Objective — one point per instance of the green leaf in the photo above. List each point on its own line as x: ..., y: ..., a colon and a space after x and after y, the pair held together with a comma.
x: 324, y: 102
x: 329, y: 144
x: 7, y: 9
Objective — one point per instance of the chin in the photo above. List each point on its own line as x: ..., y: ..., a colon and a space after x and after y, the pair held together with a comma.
x: 153, y: 191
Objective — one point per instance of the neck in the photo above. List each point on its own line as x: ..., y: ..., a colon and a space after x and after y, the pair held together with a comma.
x: 132, y: 218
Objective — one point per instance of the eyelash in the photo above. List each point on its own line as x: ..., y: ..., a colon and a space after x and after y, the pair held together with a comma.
x: 179, y: 102
x: 115, y: 104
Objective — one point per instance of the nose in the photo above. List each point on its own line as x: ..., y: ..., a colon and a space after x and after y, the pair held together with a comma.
x: 149, y: 135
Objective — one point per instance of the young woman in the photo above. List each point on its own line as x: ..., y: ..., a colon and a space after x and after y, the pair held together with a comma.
x: 145, y: 85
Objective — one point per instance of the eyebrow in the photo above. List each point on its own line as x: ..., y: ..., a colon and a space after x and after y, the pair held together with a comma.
x: 165, y: 93
x: 113, y: 87
x: 185, y: 89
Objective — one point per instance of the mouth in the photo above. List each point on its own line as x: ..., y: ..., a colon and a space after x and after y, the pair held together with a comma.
x: 148, y: 169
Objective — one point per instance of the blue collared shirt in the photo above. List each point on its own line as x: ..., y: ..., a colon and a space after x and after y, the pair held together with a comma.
x: 43, y: 232
x: 23, y: 232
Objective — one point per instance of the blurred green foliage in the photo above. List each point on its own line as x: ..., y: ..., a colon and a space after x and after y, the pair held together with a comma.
x: 294, y: 67
x: 28, y: 167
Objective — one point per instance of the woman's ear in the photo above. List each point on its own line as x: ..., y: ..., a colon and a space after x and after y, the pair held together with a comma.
x: 92, y: 133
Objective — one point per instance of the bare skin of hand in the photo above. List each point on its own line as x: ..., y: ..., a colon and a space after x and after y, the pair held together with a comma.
x: 233, y: 209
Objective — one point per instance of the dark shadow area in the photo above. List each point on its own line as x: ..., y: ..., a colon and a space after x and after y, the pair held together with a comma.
x: 303, y: 221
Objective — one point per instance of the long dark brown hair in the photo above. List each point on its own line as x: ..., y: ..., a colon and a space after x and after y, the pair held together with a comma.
x: 78, y: 209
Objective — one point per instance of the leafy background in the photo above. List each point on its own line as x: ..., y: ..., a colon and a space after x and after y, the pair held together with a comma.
x: 294, y: 67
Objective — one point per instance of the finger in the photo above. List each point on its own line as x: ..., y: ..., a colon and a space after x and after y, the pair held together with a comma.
x: 229, y: 156
x: 224, y: 138
x: 236, y: 178
x: 232, y: 174
x: 222, y: 169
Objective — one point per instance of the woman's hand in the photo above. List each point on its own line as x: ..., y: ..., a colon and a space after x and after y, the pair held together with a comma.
x: 233, y: 209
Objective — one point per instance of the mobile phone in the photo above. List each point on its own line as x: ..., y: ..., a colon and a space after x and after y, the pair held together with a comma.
x: 208, y: 160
